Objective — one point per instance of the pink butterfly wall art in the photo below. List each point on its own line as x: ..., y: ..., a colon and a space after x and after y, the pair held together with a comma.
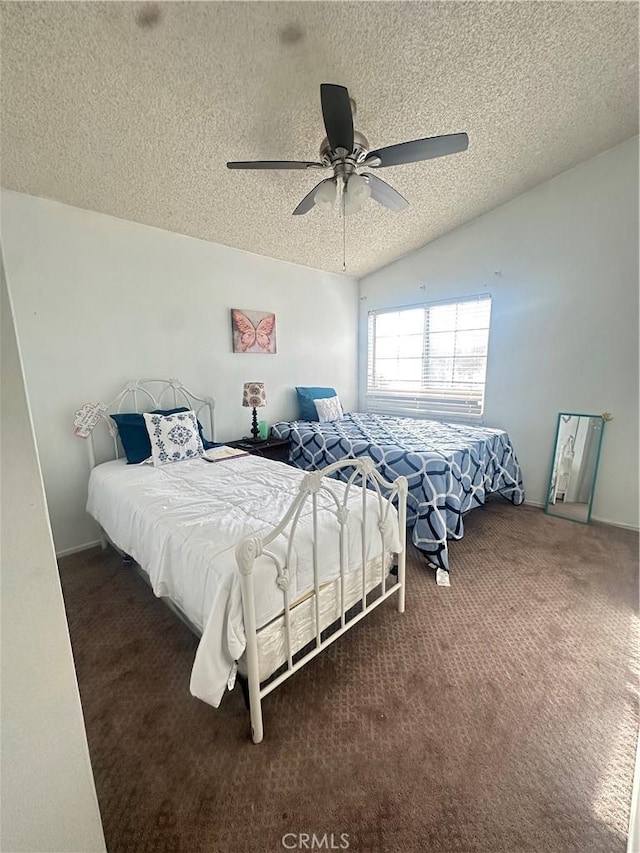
x: 253, y: 331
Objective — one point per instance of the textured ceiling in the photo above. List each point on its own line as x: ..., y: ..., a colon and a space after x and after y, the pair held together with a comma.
x: 133, y: 109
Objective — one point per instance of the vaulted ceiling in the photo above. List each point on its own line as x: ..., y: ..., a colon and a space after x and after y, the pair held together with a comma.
x: 133, y: 109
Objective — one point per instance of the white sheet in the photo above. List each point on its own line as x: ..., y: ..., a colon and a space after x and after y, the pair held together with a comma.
x: 181, y: 523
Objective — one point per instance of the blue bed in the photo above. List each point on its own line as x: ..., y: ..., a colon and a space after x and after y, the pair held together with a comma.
x: 451, y: 468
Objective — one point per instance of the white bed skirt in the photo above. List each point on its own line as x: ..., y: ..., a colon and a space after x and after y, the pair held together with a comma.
x: 272, y: 647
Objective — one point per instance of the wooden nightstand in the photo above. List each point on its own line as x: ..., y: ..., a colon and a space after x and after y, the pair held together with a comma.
x: 271, y: 448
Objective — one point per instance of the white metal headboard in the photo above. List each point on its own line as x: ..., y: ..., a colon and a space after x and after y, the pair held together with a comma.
x: 142, y: 395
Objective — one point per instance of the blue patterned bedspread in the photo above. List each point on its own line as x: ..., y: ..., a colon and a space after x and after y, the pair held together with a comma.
x: 450, y: 467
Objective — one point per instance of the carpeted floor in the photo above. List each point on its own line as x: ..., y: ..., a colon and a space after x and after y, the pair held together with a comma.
x: 498, y: 715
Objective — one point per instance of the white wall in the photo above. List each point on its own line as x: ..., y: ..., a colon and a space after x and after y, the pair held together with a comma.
x: 561, y: 263
x: 48, y: 796
x: 99, y: 300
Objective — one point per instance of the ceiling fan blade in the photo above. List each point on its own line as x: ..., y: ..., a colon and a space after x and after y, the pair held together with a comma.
x: 309, y: 200
x: 337, y: 115
x: 419, y: 149
x: 275, y: 164
x: 384, y: 194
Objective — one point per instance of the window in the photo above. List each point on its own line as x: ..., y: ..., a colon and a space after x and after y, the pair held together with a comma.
x: 430, y: 358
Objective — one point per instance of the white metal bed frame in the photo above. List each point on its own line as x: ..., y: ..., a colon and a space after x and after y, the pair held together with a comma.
x: 249, y: 549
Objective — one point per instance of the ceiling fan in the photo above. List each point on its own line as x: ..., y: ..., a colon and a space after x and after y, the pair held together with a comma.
x: 347, y: 153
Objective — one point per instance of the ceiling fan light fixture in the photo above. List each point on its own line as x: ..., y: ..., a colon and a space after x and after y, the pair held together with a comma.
x: 326, y: 194
x: 356, y: 192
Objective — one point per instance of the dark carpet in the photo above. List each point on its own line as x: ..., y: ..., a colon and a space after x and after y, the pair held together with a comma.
x: 498, y: 715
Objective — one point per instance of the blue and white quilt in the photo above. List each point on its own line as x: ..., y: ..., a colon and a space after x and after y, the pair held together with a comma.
x: 451, y: 468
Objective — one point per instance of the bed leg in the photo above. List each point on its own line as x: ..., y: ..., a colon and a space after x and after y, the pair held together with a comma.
x: 401, y: 581
x: 103, y: 540
x: 255, y: 710
x: 246, y: 554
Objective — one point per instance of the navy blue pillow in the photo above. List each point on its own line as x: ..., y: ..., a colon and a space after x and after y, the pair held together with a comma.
x: 135, y: 438
x: 306, y: 396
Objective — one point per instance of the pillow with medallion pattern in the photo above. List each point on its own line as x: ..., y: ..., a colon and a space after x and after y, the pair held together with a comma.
x: 174, y: 438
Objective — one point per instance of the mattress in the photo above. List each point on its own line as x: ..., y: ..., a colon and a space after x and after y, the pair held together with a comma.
x: 272, y: 644
x: 182, y: 522
x: 450, y: 468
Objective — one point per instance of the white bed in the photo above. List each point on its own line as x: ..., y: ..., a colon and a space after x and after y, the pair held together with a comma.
x: 259, y: 557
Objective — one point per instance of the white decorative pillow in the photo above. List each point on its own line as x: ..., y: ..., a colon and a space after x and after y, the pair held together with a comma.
x: 173, y: 438
x: 329, y: 409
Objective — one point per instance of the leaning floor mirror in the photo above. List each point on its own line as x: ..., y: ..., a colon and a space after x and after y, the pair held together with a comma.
x: 575, y: 466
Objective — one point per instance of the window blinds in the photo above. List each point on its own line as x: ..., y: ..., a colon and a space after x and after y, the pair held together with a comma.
x: 429, y: 359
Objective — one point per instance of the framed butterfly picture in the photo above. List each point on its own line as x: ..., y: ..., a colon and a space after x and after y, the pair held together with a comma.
x: 253, y: 331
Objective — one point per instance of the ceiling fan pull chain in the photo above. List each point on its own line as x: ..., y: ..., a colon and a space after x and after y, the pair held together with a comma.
x: 344, y: 237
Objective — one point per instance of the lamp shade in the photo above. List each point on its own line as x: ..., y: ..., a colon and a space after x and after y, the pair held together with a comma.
x: 253, y: 395
x: 325, y: 195
x: 356, y: 193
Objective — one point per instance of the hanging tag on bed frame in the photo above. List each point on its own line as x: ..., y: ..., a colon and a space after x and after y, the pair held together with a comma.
x: 442, y: 578
x: 87, y: 417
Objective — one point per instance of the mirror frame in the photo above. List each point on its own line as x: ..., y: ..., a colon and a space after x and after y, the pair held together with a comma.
x: 553, y: 458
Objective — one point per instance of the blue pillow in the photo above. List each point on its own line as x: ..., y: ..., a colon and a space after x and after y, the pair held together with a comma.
x: 306, y: 396
x: 135, y: 438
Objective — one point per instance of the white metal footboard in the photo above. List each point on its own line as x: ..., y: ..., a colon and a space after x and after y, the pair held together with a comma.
x: 253, y: 547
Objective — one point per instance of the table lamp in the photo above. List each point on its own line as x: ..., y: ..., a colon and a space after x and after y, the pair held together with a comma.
x: 253, y: 396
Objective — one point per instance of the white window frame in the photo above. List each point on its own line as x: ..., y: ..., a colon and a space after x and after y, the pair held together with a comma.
x: 462, y: 403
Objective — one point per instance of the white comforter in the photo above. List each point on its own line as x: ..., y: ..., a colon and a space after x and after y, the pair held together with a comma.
x: 181, y: 523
